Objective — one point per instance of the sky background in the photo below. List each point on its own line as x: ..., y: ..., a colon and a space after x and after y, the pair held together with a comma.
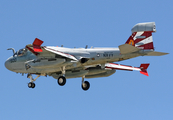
x: 77, y: 23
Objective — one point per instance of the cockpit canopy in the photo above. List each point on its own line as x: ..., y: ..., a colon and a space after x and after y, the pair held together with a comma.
x: 20, y: 52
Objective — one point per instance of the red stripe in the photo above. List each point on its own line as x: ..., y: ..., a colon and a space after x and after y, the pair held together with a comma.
x: 119, y: 69
x: 146, y: 34
x: 133, y: 34
x: 147, y: 46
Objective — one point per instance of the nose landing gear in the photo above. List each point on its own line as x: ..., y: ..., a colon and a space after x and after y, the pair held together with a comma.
x: 31, y: 84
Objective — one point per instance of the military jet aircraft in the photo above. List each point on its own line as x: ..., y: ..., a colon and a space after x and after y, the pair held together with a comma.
x: 62, y: 63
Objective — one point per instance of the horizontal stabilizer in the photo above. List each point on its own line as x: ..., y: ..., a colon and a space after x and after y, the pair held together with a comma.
x: 126, y: 48
x: 154, y: 53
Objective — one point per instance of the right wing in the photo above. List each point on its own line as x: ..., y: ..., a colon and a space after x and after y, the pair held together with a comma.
x: 39, y: 50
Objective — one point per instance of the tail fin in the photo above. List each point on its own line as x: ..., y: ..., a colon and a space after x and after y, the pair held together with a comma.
x: 141, y: 39
x: 143, y: 68
x: 142, y: 36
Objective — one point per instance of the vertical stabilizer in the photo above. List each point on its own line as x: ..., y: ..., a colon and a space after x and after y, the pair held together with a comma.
x: 142, y: 35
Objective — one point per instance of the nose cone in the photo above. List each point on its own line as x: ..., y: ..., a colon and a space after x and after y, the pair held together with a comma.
x: 7, y: 64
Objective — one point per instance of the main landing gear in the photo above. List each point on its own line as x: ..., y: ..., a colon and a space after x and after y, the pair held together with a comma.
x: 31, y: 84
x: 61, y: 80
x: 85, y: 84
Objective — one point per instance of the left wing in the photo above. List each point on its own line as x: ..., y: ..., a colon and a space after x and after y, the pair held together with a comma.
x: 37, y: 49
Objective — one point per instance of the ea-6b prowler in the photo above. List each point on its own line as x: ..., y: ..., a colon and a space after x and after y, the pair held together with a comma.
x: 62, y: 63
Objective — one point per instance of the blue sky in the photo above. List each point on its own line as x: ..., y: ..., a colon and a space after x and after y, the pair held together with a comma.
x: 77, y: 23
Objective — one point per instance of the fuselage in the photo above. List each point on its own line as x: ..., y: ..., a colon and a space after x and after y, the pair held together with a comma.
x: 17, y: 63
x: 62, y: 63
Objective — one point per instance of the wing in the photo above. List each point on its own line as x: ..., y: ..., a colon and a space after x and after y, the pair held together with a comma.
x: 41, y: 51
x: 54, y: 50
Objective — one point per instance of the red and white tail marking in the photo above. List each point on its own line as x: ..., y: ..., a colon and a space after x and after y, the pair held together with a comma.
x: 142, y: 40
x: 142, y: 68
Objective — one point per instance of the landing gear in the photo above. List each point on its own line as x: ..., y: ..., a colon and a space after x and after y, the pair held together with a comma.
x: 61, y: 80
x: 31, y: 84
x: 85, y: 84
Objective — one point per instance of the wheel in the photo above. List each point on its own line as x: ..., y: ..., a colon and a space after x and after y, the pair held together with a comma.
x: 31, y: 85
x: 61, y: 80
x: 85, y: 85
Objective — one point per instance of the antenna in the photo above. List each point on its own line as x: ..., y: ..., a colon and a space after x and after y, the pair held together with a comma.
x: 86, y: 47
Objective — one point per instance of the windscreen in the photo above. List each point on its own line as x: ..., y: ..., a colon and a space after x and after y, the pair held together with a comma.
x: 21, y: 52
